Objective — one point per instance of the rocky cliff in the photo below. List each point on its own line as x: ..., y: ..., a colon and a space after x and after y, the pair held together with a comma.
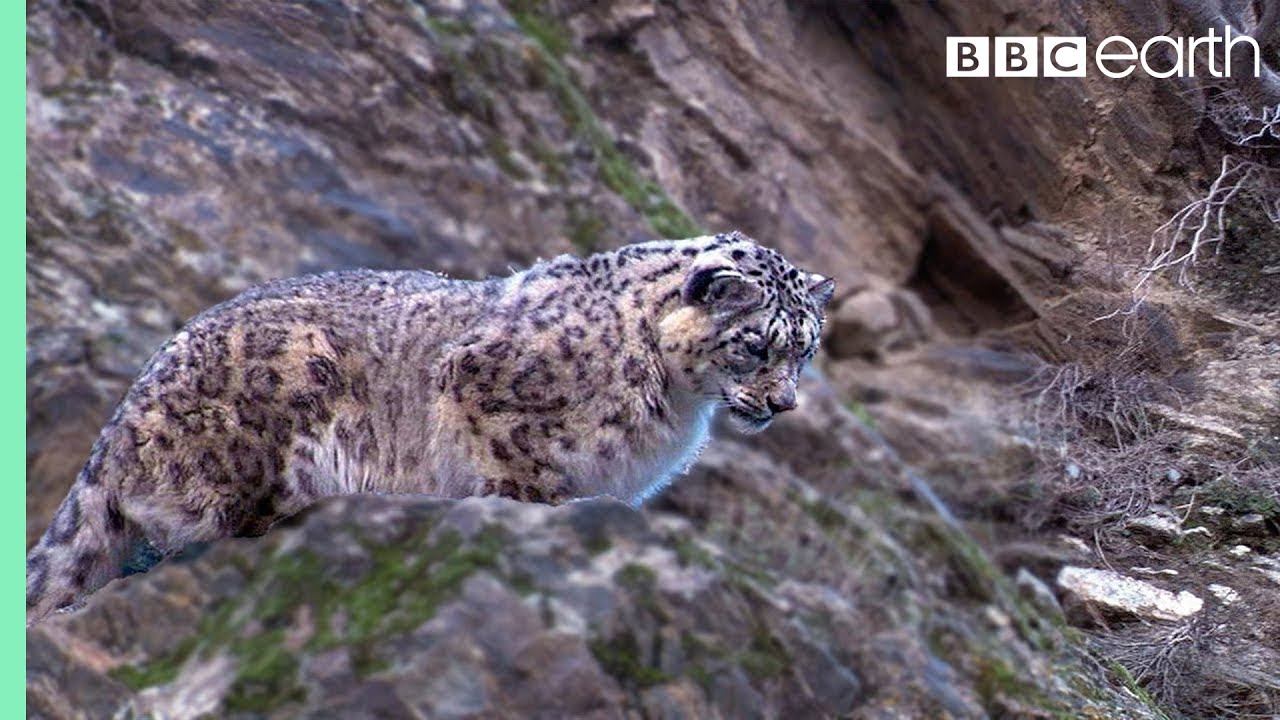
x: 895, y: 548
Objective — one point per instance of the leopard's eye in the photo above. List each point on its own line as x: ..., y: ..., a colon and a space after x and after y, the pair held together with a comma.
x: 757, y: 348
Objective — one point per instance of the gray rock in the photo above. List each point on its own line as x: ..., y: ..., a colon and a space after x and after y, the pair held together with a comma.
x: 372, y: 605
x: 1038, y: 593
x: 1154, y: 529
x: 1250, y: 524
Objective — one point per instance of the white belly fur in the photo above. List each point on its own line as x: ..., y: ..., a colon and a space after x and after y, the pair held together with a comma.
x: 632, y: 479
x: 646, y: 474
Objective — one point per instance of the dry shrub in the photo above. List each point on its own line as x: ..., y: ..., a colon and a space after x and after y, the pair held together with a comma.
x: 1099, y: 404
x: 1103, y: 456
x: 1167, y: 659
x: 1192, y: 670
x: 1241, y: 184
x: 1247, y: 183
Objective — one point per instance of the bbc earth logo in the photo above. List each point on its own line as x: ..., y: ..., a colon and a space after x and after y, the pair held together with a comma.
x: 1115, y: 57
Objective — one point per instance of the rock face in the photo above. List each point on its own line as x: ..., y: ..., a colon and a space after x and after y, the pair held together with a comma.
x: 969, y: 395
x: 180, y: 152
x: 409, y: 607
x: 747, y: 591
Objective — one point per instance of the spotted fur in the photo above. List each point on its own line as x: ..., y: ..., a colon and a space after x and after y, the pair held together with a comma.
x: 577, y: 377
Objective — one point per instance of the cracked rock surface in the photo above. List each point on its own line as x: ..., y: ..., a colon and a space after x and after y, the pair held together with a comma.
x: 888, y: 550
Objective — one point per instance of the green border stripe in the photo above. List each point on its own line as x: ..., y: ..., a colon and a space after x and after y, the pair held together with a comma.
x: 13, y: 316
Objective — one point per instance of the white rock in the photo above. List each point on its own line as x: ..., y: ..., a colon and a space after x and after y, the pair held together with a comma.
x: 1109, y: 590
x: 997, y: 617
x: 1076, y: 545
x: 1205, y: 424
x: 1200, y: 534
x: 1153, y: 571
x: 1155, y: 529
x: 1271, y: 575
x: 1225, y: 594
x: 1240, y: 550
x: 1268, y: 561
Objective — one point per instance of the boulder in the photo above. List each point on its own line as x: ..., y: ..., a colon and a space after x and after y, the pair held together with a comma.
x: 1091, y: 593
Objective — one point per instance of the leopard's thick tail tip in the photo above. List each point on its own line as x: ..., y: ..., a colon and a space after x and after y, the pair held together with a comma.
x: 82, y: 550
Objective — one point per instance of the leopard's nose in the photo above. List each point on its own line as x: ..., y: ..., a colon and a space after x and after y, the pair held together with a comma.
x: 782, y: 400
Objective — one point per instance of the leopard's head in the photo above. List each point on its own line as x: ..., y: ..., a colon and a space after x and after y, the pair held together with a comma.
x: 748, y: 323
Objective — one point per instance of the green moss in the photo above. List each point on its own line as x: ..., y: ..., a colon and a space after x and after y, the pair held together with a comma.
x: 616, y: 171
x: 554, y: 165
x: 1239, y: 499
x: 698, y: 655
x: 406, y: 584
x: 266, y: 676
x: 701, y: 675
x: 860, y: 411
x: 542, y: 28
x: 987, y: 661
x: 475, y: 69
x: 641, y: 584
x: 670, y: 221
x: 161, y: 671
x: 523, y: 583
x: 984, y: 581
x: 405, y: 587
x: 996, y: 678
x: 380, y: 598
x: 288, y: 577
x: 827, y: 517
x: 465, y: 85
x: 448, y: 26
x: 695, y: 647
x: 1131, y: 683
x: 744, y: 576
x: 621, y: 176
x: 691, y: 552
x: 366, y: 661
x: 597, y: 543
x: 586, y: 229
x: 500, y: 151
x: 765, y: 657
x: 999, y: 682
x: 620, y: 657
x: 637, y: 578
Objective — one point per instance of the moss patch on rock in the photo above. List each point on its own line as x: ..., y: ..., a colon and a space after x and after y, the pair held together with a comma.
x: 614, y: 168
x: 404, y: 584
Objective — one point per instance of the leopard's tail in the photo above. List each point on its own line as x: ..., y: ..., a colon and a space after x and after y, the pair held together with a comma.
x: 83, y: 549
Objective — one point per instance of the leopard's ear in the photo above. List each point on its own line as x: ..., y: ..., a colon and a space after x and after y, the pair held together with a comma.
x: 821, y: 289
x: 714, y: 282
